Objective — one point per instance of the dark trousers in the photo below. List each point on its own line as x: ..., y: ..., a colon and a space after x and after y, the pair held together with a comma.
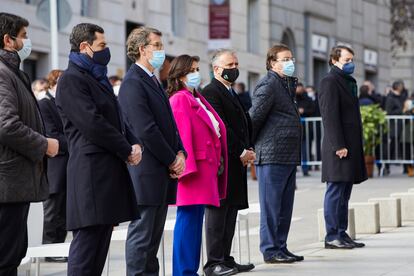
x: 13, y: 236
x: 220, y: 224
x: 336, y: 209
x: 143, y: 240
x: 187, y: 240
x: 88, y: 250
x: 276, y: 196
x: 54, y: 223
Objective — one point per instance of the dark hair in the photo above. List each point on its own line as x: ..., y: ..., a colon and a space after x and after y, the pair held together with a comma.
x: 52, y: 78
x: 10, y: 24
x: 300, y: 84
x: 364, y: 91
x: 336, y: 53
x: 272, y: 54
x: 83, y: 32
x: 180, y: 66
x: 397, y: 84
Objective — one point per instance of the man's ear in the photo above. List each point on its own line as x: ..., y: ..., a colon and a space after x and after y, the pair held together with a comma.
x: 8, y: 41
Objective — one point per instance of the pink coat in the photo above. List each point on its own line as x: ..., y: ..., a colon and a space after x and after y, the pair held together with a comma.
x: 199, y: 184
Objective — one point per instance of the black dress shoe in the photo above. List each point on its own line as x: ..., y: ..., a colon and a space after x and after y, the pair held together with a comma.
x: 290, y: 254
x: 56, y: 259
x: 219, y: 270
x: 338, y: 244
x: 351, y: 241
x: 280, y: 258
x: 240, y: 267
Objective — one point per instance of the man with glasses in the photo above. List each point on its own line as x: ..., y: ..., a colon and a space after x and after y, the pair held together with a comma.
x: 277, y: 138
x: 147, y: 110
x: 220, y: 221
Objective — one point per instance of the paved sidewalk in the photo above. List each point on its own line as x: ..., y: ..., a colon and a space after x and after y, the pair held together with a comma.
x: 390, y: 253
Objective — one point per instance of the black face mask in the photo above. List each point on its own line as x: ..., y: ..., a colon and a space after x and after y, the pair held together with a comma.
x: 230, y: 75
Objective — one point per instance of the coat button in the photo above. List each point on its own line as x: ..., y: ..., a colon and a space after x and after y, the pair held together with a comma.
x: 217, y: 145
x: 208, y: 143
x: 210, y: 160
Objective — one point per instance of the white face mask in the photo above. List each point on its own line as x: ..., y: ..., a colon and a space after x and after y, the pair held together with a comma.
x: 116, y: 90
x: 26, y: 50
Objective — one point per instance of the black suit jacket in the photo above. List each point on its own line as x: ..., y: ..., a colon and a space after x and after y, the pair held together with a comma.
x: 99, y: 188
x: 342, y: 129
x: 147, y: 110
x: 238, y: 126
x: 56, y: 166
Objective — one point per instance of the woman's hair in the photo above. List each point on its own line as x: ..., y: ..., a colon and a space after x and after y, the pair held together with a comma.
x: 53, y: 77
x: 180, y: 66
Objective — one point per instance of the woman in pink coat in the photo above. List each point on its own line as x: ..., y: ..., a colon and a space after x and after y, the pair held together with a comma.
x: 204, y: 180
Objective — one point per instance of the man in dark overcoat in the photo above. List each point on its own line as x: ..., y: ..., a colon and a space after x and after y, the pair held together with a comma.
x: 99, y: 189
x: 220, y: 221
x: 342, y: 148
x: 148, y: 111
x: 23, y: 145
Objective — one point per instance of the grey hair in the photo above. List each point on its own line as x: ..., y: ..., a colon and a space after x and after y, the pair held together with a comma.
x: 218, y: 53
x: 137, y: 38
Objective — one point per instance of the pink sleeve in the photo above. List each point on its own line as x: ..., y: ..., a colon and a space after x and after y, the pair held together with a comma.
x: 182, y: 113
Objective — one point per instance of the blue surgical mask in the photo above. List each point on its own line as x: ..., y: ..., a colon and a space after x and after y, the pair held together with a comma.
x: 158, y: 58
x: 26, y: 50
x: 193, y: 80
x: 348, y: 68
x: 288, y: 68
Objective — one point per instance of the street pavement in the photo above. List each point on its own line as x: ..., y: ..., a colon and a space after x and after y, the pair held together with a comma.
x: 389, y: 253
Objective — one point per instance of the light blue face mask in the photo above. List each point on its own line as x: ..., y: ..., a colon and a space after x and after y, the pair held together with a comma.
x: 288, y: 68
x: 158, y: 58
x: 193, y: 80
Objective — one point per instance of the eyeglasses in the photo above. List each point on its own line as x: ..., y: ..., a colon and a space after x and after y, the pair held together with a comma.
x: 286, y: 59
x: 158, y: 46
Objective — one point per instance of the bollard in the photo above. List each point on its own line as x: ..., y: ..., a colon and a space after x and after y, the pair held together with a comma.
x: 407, y: 205
x: 321, y: 224
x: 390, y: 211
x: 367, y: 217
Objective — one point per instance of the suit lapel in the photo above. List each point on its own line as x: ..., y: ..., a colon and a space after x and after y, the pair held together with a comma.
x: 234, y: 100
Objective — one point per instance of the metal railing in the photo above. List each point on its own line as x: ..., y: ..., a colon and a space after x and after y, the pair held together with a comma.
x: 396, y: 143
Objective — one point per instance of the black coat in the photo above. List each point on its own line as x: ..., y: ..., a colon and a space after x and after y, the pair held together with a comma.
x: 238, y: 126
x: 56, y: 166
x: 147, y: 110
x: 22, y: 142
x: 342, y: 129
x: 99, y: 188
x: 276, y: 121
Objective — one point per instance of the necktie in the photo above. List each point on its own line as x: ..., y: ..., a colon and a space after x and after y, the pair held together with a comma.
x: 232, y: 93
x: 154, y: 78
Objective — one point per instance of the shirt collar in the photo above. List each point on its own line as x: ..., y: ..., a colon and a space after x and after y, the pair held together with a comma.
x: 145, y: 69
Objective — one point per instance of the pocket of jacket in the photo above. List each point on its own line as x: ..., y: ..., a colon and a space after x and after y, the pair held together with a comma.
x: 11, y: 167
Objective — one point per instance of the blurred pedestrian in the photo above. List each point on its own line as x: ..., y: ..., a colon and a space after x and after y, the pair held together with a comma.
x: 244, y: 95
x: 116, y: 84
x: 39, y: 88
x: 221, y: 221
x: 343, y: 162
x: 99, y: 189
x: 408, y: 135
x: 277, y: 135
x: 54, y: 208
x: 23, y: 145
x: 204, y: 180
x: 364, y: 97
x: 148, y: 111
x: 306, y: 107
